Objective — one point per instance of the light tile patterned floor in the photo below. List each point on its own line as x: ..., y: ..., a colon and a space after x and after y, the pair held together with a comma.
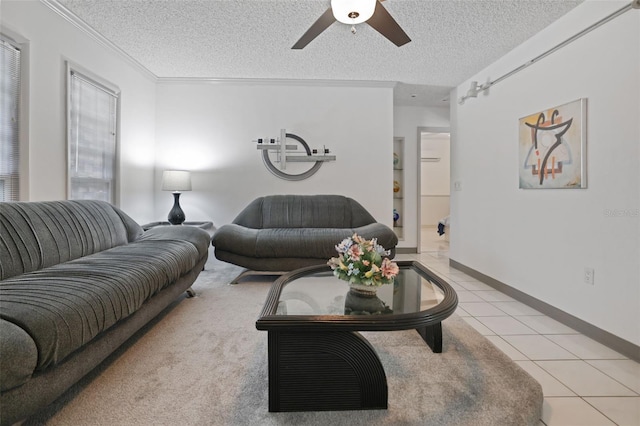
x: 584, y: 382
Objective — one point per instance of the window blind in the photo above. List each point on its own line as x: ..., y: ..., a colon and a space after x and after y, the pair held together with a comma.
x: 92, y: 139
x: 9, y: 121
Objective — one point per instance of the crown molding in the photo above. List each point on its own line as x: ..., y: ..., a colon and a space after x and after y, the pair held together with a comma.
x: 276, y: 82
x: 84, y: 27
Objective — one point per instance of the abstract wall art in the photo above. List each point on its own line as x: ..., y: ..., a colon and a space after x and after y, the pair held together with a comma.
x: 553, y: 147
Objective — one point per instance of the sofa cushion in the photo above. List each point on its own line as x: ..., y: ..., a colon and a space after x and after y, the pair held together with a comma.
x: 64, y: 306
x: 268, y: 264
x: 37, y: 235
x: 316, y: 243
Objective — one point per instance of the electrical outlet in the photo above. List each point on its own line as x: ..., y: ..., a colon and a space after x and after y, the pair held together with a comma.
x: 588, y: 276
x: 457, y: 185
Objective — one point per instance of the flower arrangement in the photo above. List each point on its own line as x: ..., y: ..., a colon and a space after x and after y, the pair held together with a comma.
x: 361, y: 261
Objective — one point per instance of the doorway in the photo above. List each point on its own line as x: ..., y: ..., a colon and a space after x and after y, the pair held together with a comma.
x: 434, y: 179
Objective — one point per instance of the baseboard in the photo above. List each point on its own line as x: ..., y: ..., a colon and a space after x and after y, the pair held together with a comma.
x: 612, y: 341
x: 406, y: 250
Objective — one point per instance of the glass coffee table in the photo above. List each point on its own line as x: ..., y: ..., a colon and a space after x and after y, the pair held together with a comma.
x: 317, y: 359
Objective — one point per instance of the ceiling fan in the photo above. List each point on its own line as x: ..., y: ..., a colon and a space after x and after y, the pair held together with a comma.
x: 354, y: 12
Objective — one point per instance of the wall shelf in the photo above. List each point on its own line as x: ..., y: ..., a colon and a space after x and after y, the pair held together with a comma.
x: 398, y: 187
x: 307, y: 158
x: 276, y: 146
x: 302, y: 158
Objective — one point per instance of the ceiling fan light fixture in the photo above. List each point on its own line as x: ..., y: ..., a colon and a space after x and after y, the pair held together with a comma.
x: 353, y: 12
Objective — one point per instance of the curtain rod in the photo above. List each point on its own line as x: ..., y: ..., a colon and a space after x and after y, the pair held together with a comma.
x: 475, y: 89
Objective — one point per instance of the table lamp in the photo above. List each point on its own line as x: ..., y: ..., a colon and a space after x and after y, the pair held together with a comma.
x: 176, y: 181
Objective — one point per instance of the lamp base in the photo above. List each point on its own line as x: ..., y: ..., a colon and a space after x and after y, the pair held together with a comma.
x: 176, y: 215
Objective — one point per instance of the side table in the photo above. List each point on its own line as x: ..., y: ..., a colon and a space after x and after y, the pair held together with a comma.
x: 207, y: 226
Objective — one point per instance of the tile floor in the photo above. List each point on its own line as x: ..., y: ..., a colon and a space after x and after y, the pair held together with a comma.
x: 584, y: 383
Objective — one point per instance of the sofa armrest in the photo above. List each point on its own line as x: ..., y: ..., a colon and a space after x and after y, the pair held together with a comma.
x: 18, y: 355
x: 134, y: 230
x: 196, y: 236
x: 251, y: 215
x: 237, y: 239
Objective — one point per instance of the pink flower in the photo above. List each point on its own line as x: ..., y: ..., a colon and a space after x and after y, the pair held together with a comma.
x: 355, y: 252
x: 389, y: 268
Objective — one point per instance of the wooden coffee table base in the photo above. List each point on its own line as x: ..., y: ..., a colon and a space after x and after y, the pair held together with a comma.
x: 320, y: 371
x: 432, y: 335
x: 318, y: 360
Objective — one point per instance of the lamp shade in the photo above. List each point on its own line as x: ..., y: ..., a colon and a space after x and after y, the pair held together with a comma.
x: 176, y: 180
x: 353, y: 11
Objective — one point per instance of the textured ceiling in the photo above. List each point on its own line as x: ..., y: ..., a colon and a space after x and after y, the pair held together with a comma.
x: 451, y: 39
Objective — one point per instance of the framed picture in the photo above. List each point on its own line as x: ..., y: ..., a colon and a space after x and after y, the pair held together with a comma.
x: 552, y: 147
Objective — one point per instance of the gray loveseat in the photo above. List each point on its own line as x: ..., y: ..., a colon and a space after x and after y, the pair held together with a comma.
x: 77, y: 279
x: 280, y: 233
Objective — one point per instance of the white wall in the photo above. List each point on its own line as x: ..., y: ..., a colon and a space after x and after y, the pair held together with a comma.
x: 208, y: 128
x: 406, y: 120
x: 540, y: 241
x: 52, y: 41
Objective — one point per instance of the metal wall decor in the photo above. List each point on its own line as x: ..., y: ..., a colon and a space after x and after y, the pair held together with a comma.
x: 282, y: 151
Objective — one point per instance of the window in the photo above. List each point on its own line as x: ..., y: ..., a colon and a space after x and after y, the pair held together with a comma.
x: 92, y: 136
x: 9, y: 121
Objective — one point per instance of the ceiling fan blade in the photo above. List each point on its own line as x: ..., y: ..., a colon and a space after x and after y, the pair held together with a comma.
x: 323, y: 22
x: 384, y: 23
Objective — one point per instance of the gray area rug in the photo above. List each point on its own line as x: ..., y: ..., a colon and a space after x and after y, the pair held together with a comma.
x: 204, y: 363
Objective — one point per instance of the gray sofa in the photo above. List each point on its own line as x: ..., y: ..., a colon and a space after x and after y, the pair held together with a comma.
x: 77, y: 279
x: 280, y: 233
